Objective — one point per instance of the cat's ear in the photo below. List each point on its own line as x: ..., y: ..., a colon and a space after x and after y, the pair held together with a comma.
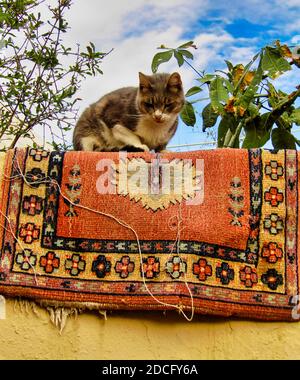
x: 144, y: 82
x: 174, y: 82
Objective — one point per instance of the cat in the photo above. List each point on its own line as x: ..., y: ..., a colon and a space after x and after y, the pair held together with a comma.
x: 133, y: 118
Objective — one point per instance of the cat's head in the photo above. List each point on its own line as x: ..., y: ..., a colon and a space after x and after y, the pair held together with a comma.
x: 160, y: 96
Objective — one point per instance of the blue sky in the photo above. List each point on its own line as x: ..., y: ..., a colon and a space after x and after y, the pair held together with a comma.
x: 233, y: 30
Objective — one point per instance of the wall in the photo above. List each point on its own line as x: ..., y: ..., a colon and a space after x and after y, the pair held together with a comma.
x: 151, y: 335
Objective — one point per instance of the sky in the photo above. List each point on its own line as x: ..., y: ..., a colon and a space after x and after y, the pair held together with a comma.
x: 234, y: 30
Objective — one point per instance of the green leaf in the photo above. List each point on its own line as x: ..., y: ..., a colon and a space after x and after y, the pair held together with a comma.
x: 257, y: 77
x: 273, y: 95
x: 179, y: 58
x: 295, y: 116
x: 186, y: 45
x: 160, y: 58
x: 255, y: 138
x: 283, y: 123
x: 273, y: 63
x: 186, y: 53
x: 187, y: 114
x: 236, y: 144
x: 272, y: 90
x: 3, y: 17
x: 277, y: 98
x: 194, y: 90
x: 245, y: 100
x: 285, y: 116
x: 90, y: 50
x: 207, y: 78
x: 264, y: 121
x: 283, y: 139
x: 282, y: 101
x: 229, y: 65
x: 229, y: 86
x: 222, y: 130
x: 253, y: 110
x: 209, y: 117
x: 218, y: 93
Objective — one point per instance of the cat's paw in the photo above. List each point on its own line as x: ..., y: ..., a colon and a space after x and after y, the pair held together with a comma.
x: 145, y: 148
x: 137, y: 148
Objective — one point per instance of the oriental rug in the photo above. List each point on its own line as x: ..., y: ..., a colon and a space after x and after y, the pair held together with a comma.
x: 215, y: 230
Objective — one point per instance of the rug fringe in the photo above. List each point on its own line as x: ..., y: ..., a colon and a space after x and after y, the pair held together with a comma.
x: 26, y: 306
x: 103, y: 313
x: 59, y: 312
x: 59, y: 316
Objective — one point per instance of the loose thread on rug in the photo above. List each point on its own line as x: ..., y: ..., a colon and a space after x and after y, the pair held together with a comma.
x: 51, y: 181
x: 179, y: 226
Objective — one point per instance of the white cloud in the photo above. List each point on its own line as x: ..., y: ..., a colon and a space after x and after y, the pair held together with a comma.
x: 108, y: 22
x: 294, y: 27
x: 96, y: 21
x: 296, y: 38
x: 241, y: 54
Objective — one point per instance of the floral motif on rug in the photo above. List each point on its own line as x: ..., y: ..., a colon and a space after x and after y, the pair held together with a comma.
x: 235, y: 249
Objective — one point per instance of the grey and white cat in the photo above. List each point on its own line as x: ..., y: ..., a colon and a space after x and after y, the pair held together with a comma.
x: 133, y: 118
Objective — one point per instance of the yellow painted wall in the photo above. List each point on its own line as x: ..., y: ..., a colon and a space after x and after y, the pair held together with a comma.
x: 151, y: 335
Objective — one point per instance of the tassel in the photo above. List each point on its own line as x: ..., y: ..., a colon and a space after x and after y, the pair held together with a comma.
x: 59, y: 316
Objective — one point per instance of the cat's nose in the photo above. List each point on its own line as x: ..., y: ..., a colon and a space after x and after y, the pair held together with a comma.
x: 158, y: 115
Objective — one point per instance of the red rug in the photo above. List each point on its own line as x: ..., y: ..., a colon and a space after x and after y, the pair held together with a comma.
x: 211, y: 231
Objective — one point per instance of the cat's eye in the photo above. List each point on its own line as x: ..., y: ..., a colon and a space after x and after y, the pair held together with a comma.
x: 148, y: 105
x: 170, y: 105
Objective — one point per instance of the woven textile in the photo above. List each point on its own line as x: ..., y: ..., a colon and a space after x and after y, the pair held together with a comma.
x: 230, y: 239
